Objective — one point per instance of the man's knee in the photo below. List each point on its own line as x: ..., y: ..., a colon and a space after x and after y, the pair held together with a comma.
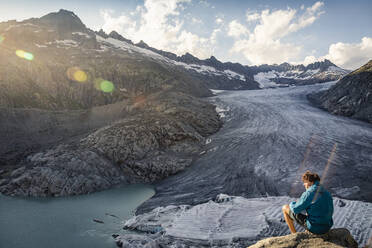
x: 285, y: 208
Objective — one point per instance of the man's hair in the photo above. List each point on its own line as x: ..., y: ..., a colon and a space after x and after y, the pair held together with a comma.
x: 311, y: 177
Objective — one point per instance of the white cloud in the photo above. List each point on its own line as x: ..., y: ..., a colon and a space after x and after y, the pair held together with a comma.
x: 252, y: 17
x: 315, y: 7
x: 351, y: 55
x: 196, y: 20
x: 118, y: 23
x: 213, y: 38
x: 311, y: 14
x: 236, y: 29
x: 346, y: 55
x: 264, y: 44
x: 159, y: 25
x: 219, y: 21
x: 309, y: 60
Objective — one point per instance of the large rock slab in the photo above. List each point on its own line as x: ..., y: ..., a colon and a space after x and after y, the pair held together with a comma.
x: 335, y: 238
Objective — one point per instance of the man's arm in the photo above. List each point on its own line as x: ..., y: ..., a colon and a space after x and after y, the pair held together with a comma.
x: 302, y: 203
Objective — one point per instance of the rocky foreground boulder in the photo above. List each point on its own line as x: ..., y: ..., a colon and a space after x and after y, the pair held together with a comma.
x: 339, y: 237
x: 351, y: 96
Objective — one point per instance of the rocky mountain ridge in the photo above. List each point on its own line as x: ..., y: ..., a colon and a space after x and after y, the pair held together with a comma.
x: 238, y: 75
x: 278, y: 75
x: 351, y: 96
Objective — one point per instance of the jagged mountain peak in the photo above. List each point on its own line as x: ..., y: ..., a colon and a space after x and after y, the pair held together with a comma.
x: 102, y: 33
x: 212, y: 58
x: 142, y: 44
x: 64, y: 22
x: 116, y: 35
x: 189, y: 58
x: 322, y: 65
x: 63, y: 17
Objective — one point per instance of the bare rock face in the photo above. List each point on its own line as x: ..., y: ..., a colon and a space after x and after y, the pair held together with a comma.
x: 62, y: 171
x: 151, y: 140
x: 148, y: 147
x: 339, y: 237
x: 351, y: 96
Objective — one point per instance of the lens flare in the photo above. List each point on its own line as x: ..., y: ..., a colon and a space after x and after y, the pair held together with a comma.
x: 80, y: 76
x: 106, y: 86
x: 302, y: 166
x: 76, y: 74
x: 103, y: 85
x: 2, y: 38
x: 25, y: 55
x: 325, y: 171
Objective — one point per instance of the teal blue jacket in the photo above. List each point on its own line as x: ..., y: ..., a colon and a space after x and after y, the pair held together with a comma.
x: 319, y: 208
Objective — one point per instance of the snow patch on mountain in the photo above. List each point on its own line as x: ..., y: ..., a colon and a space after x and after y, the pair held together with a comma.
x: 202, y: 69
x: 40, y: 46
x: 268, y: 79
x: 264, y: 79
x: 130, y: 48
x: 209, y: 70
x: 235, y: 75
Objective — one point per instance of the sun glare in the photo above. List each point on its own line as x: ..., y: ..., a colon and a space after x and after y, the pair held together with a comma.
x: 76, y: 74
x: 25, y: 55
x: 106, y: 86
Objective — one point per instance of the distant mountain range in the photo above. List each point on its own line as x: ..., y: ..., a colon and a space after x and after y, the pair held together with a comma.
x: 235, y: 76
x: 281, y: 75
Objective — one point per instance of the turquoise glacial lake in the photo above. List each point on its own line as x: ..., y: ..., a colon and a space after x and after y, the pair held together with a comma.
x: 68, y: 222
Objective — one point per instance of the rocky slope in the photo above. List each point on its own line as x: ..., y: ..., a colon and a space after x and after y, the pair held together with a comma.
x: 228, y: 221
x: 351, y: 96
x: 61, y: 48
x: 82, y: 112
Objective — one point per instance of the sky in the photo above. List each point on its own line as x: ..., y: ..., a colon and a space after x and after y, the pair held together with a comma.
x: 249, y: 32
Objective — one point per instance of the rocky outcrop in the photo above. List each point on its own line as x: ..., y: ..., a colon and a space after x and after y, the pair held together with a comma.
x: 335, y: 238
x: 158, y: 138
x: 229, y: 221
x: 351, y: 96
x: 62, y: 171
x: 146, y: 147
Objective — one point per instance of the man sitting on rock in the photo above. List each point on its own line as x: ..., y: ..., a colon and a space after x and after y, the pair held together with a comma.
x: 318, y: 204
